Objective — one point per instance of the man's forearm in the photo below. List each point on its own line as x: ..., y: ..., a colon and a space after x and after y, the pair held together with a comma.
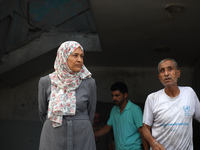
x: 146, y: 131
x: 102, y: 131
x: 147, y: 135
x: 144, y: 142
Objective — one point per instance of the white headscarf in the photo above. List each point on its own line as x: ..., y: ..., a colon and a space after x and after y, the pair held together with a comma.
x: 64, y: 82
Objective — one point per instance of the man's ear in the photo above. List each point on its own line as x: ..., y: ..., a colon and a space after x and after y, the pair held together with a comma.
x: 178, y: 73
x: 125, y: 95
x: 159, y: 77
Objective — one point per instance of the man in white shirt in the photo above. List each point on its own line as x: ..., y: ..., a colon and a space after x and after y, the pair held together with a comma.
x: 168, y: 113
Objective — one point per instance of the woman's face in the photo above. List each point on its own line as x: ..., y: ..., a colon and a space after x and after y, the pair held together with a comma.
x: 75, y: 60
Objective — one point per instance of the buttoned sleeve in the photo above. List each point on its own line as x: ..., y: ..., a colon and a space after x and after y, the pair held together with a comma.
x: 137, y: 117
x: 110, y: 120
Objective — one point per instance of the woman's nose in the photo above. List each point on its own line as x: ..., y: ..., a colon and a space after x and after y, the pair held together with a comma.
x: 79, y: 59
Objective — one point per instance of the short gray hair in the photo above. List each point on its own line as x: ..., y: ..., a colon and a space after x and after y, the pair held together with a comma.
x: 174, y: 62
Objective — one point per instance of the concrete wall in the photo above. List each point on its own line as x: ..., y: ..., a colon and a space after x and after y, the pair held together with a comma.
x: 20, y: 102
x: 140, y: 81
x: 19, y: 108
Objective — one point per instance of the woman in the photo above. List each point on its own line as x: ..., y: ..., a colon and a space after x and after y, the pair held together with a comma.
x: 67, y: 102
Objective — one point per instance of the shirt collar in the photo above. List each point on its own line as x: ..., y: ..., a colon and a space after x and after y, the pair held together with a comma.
x: 128, y: 105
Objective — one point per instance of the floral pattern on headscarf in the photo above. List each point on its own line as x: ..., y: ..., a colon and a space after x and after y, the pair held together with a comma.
x: 64, y: 82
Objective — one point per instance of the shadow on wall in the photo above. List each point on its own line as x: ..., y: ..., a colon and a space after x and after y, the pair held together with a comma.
x: 196, y: 133
x: 20, y: 135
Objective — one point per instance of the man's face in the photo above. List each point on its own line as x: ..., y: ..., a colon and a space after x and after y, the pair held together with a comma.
x: 168, y: 74
x: 118, y: 97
